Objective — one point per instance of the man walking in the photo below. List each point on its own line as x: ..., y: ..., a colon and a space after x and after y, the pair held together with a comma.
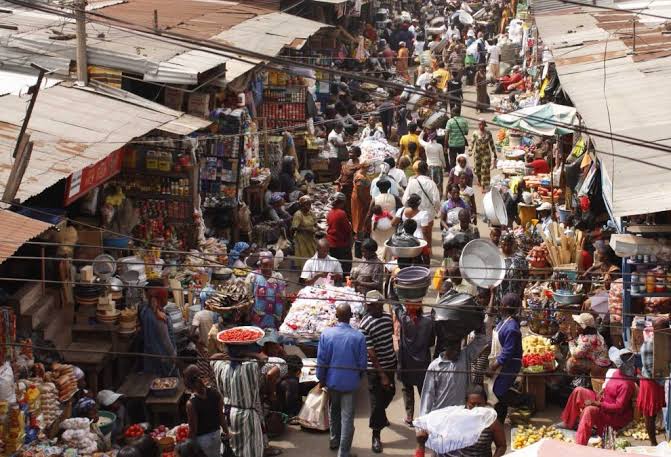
x: 457, y: 132
x: 343, y: 348
x: 378, y: 329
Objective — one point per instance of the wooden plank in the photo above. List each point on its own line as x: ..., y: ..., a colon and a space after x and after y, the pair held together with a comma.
x: 661, y: 353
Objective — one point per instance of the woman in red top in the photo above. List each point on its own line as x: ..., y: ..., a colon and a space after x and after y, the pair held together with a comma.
x: 613, y: 407
x: 339, y: 232
x: 540, y: 166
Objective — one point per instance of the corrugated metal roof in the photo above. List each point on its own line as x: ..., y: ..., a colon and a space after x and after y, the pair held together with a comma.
x: 71, y: 129
x: 634, y: 102
x: 15, y: 230
x: 334, y: 2
x: 18, y: 83
x: 266, y: 34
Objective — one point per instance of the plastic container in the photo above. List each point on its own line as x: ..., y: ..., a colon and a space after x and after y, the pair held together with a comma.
x: 563, y: 213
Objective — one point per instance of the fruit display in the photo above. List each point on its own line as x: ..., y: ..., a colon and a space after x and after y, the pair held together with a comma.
x: 180, y: 433
x: 636, y: 430
x: 538, y: 354
x: 159, y: 432
x: 538, y: 257
x: 525, y: 436
x: 134, y: 431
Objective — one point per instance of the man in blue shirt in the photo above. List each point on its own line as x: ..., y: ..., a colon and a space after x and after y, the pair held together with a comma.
x: 345, y: 348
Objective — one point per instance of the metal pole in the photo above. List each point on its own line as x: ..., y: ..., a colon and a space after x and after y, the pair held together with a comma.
x: 633, y: 25
x: 156, y: 21
x: 31, y: 105
x: 82, y: 64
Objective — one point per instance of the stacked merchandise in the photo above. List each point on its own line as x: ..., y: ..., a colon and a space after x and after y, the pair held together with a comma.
x: 128, y: 321
x: 78, y: 435
x: 49, y: 399
x: 314, y: 310
x: 220, y: 164
x: 63, y: 377
x: 375, y: 151
x: 284, y: 100
x: 16, y: 428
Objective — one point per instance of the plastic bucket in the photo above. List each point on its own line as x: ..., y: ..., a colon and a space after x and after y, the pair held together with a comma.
x: 563, y: 213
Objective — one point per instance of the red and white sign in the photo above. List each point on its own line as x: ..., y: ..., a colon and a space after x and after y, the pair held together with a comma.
x: 82, y: 181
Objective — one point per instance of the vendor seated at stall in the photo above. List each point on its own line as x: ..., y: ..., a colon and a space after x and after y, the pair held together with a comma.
x: 544, y: 215
x: 511, y: 82
x: 113, y: 402
x: 372, y: 130
x: 588, y: 351
x: 321, y: 265
x: 540, y: 165
x: 289, y: 389
x: 238, y: 255
x: 613, y: 407
x: 275, y: 211
x: 289, y: 185
x: 368, y: 275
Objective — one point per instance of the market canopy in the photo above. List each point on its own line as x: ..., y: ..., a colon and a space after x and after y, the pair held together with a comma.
x: 554, y: 448
x: 546, y: 120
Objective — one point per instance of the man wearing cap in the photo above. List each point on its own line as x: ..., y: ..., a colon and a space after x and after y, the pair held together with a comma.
x: 613, y: 407
x: 112, y: 402
x: 378, y: 328
x: 544, y: 212
x: 341, y: 363
x: 339, y: 232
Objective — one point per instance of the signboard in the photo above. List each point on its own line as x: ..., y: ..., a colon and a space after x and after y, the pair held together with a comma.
x: 82, y: 181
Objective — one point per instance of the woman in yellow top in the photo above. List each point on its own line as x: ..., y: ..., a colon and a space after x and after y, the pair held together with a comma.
x: 410, y: 137
x: 304, y: 226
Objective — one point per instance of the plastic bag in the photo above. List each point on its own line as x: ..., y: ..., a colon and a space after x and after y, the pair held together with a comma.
x: 7, y: 392
x: 454, y: 427
x: 314, y: 413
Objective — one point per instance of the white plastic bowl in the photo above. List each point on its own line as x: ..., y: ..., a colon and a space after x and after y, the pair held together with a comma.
x: 482, y: 264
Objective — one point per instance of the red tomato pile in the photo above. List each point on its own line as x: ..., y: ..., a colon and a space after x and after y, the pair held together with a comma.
x: 168, y: 454
x: 182, y: 433
x: 239, y: 335
x: 531, y: 360
x: 134, y: 431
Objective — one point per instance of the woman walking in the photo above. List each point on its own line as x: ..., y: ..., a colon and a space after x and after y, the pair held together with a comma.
x: 205, y: 413
x: 484, y: 152
x: 382, y: 229
x: 482, y: 100
x: 304, y: 226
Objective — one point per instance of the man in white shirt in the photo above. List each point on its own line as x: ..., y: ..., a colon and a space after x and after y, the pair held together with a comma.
x: 321, y: 265
x: 372, y: 130
x: 435, y: 157
x: 423, y: 186
x: 396, y: 174
x: 494, y: 52
x: 424, y: 78
x: 336, y: 142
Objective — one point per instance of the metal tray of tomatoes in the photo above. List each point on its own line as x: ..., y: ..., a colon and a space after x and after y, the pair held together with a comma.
x: 246, y: 334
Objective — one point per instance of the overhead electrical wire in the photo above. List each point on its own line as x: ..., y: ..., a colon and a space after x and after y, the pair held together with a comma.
x: 280, y: 60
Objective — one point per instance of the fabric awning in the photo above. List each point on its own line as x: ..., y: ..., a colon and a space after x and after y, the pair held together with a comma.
x: 546, y: 120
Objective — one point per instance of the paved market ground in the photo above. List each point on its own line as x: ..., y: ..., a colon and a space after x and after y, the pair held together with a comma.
x: 398, y: 439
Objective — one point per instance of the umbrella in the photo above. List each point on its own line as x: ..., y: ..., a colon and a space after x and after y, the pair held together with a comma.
x: 546, y: 120
x: 554, y: 448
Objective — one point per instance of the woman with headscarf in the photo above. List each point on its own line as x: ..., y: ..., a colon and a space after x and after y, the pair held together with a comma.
x: 483, y: 151
x: 304, y: 226
x: 157, y: 332
x: 482, y: 98
x: 412, y: 211
x: 345, y: 182
x: 613, y: 407
x: 402, y: 61
x: 381, y: 223
x: 237, y: 256
x: 461, y: 167
x: 360, y: 204
x: 268, y: 289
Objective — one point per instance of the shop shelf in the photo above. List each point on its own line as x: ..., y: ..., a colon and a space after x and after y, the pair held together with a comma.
x: 155, y: 196
x: 654, y: 294
x: 165, y: 174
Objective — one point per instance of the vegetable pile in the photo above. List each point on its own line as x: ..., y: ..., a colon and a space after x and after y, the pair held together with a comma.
x: 240, y: 335
x: 538, y: 354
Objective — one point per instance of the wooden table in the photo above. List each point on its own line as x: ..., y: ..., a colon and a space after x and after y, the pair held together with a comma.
x: 166, y: 406
x: 92, y: 363
x: 135, y: 390
x: 535, y: 386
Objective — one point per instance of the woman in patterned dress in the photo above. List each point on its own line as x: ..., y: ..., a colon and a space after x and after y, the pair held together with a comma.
x: 484, y: 152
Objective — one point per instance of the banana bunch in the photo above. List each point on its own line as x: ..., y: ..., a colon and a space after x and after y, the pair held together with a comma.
x: 525, y: 436
x: 534, y: 344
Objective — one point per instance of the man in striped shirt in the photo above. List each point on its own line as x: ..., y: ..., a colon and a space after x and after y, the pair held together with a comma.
x: 378, y: 329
